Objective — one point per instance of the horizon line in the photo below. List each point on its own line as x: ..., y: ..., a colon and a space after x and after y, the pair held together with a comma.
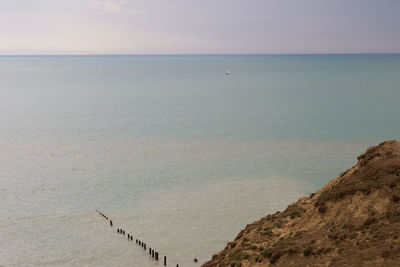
x: 206, y: 54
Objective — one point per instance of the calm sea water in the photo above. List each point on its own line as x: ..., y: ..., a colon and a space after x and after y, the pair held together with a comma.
x: 173, y: 150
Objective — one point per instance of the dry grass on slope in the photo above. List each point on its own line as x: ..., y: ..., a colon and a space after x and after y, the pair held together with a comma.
x: 352, y: 221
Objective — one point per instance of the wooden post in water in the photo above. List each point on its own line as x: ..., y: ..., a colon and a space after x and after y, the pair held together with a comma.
x: 152, y: 253
x: 144, y: 246
x: 156, y: 256
x: 149, y: 251
x: 165, y: 260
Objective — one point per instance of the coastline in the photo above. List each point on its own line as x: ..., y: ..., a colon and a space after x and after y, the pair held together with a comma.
x: 353, y: 220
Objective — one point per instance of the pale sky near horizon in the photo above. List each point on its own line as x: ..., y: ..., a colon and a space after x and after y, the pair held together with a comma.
x: 202, y: 26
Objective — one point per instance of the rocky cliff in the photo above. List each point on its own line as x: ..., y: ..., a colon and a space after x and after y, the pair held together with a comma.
x: 352, y: 221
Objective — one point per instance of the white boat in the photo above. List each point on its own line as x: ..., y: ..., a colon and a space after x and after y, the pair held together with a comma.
x: 228, y: 72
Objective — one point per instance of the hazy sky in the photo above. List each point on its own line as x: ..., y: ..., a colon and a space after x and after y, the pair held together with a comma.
x: 202, y: 26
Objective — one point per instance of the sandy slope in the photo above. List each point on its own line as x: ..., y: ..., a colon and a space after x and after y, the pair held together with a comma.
x: 354, y: 220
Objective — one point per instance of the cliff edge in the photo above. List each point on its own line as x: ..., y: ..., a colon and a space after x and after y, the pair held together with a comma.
x: 354, y: 220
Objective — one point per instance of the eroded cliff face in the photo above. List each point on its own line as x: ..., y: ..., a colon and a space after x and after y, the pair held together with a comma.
x: 352, y: 221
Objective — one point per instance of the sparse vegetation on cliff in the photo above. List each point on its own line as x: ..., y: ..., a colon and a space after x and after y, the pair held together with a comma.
x: 354, y: 221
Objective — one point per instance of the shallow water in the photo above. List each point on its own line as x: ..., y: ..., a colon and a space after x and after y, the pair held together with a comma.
x: 173, y: 150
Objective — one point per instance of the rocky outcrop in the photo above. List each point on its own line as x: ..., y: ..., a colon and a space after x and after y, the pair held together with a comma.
x: 352, y: 221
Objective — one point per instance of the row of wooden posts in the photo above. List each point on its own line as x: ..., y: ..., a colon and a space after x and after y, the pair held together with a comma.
x: 154, y: 254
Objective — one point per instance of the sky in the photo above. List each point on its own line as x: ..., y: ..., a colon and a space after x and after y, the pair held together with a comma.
x: 196, y: 27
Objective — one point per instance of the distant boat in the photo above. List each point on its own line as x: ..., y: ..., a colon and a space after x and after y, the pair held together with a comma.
x: 228, y: 72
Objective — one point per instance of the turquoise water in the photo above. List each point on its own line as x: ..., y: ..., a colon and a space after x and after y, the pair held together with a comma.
x: 172, y: 149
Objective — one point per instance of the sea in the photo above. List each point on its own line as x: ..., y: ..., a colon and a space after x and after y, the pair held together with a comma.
x: 173, y: 150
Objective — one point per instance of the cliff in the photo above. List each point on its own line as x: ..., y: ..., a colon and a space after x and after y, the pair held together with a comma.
x: 354, y: 220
